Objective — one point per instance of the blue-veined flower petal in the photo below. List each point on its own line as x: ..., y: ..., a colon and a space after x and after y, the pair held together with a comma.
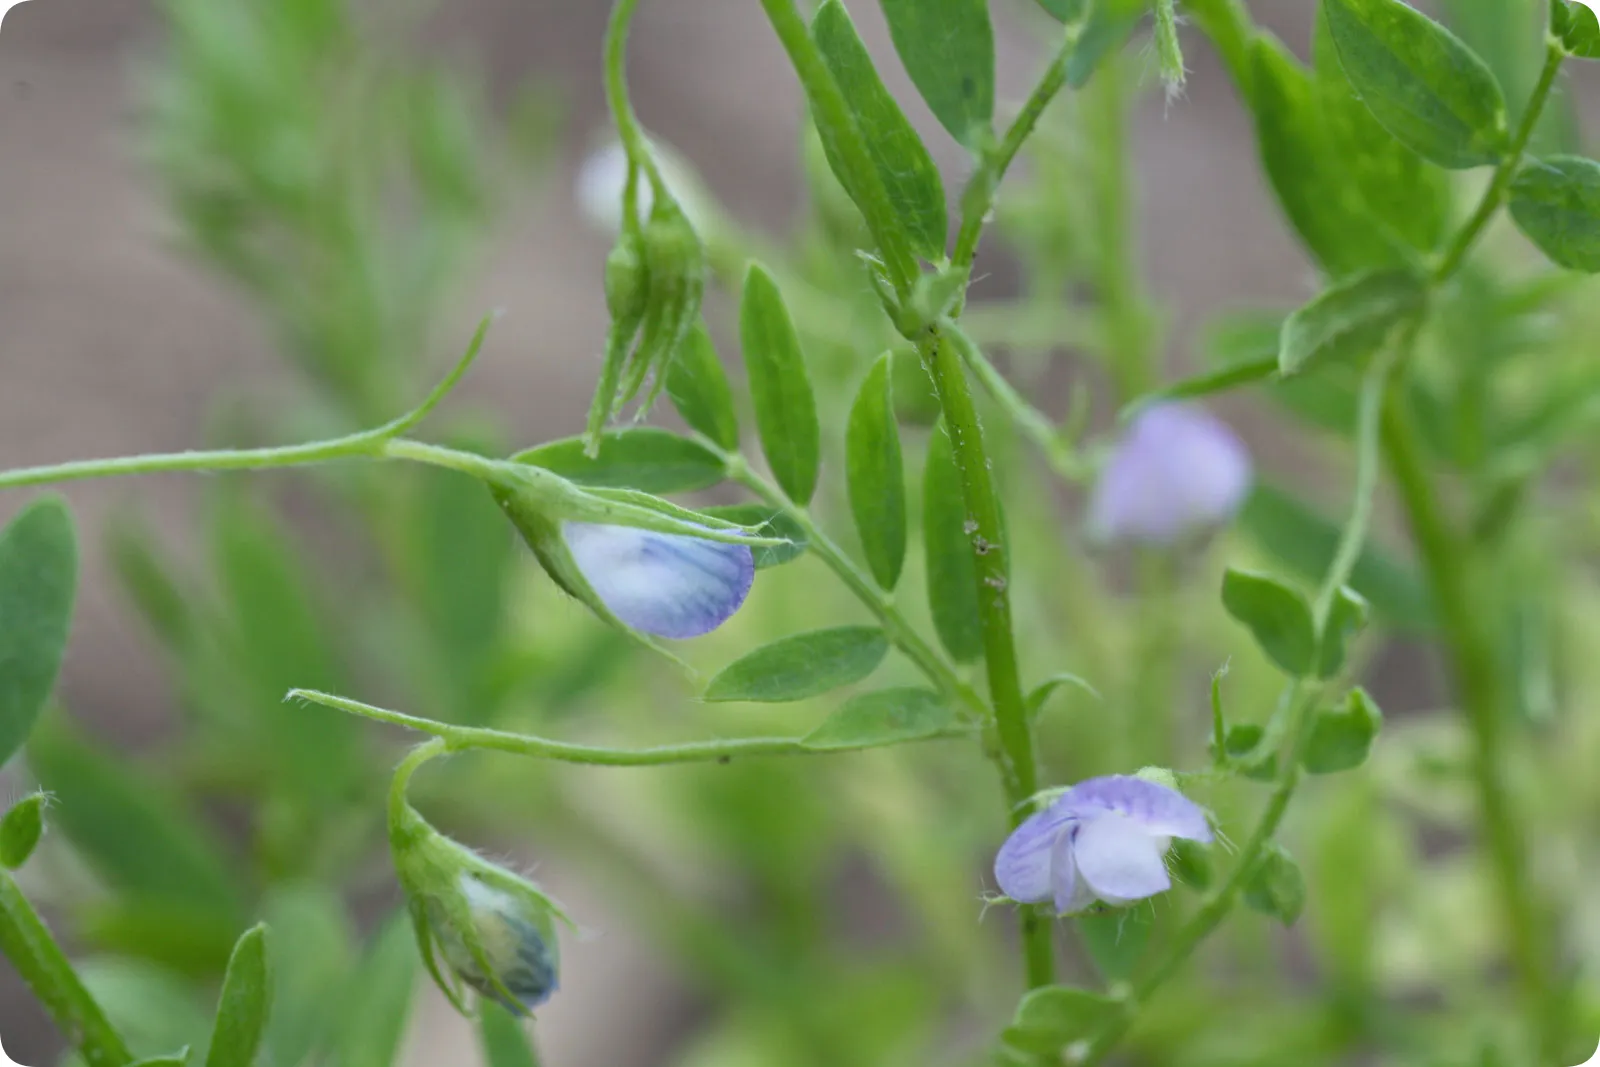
x: 1177, y: 469
x: 1120, y: 860
x: 1023, y: 865
x: 1156, y: 809
x: 666, y: 585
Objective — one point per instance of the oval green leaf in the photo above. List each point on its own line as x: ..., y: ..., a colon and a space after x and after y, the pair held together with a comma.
x: 38, y: 580
x: 1575, y: 24
x: 883, y: 717
x: 1051, y: 1018
x: 875, y: 473
x: 20, y: 831
x: 244, y: 1005
x: 1116, y: 940
x: 1342, y: 739
x: 1277, y: 615
x: 786, y: 410
x: 1346, y: 618
x: 698, y: 387
x: 1555, y: 202
x: 802, y: 666
x: 1420, y: 81
x: 645, y: 458
x: 1276, y: 887
x: 1347, y: 321
x: 908, y: 172
x: 947, y: 546
x: 947, y: 46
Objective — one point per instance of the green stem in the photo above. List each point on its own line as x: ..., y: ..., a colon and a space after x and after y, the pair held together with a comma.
x: 1303, y: 697
x: 28, y: 944
x: 938, y: 669
x: 629, y: 131
x: 1495, y: 195
x: 1015, y: 758
x: 459, y: 738
x: 1033, y: 423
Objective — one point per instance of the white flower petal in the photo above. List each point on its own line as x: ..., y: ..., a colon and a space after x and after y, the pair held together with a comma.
x: 1072, y: 894
x: 1120, y: 860
x: 666, y: 585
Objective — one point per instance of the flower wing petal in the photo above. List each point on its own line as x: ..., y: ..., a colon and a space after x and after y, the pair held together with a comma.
x: 1119, y: 860
x: 1158, y: 810
x: 1072, y: 894
x: 1022, y: 867
x: 667, y: 585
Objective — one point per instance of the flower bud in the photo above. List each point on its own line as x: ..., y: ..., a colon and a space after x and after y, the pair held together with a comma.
x: 626, y: 280
x: 493, y: 930
x: 675, y: 271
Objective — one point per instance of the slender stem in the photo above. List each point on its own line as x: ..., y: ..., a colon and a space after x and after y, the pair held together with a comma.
x: 1015, y: 757
x: 459, y: 738
x: 1302, y: 700
x: 622, y: 113
x: 28, y: 944
x: 939, y: 670
x: 1495, y: 195
x: 1034, y: 424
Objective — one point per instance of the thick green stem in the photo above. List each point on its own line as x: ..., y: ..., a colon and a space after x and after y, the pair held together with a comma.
x: 33, y: 952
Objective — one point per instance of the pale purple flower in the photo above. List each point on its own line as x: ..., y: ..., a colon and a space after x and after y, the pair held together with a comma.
x: 667, y: 585
x: 1104, y: 839
x: 1176, y: 469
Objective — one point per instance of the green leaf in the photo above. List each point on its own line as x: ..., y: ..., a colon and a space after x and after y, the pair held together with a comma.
x: 1051, y: 1018
x: 129, y: 828
x: 771, y: 522
x: 947, y: 46
x: 1305, y: 168
x: 1555, y: 202
x: 786, y: 411
x: 902, y: 161
x: 1304, y: 541
x: 500, y: 1035
x: 1574, y: 23
x: 952, y: 572
x: 1111, y: 23
x: 1242, y: 744
x: 244, y: 1005
x: 20, y: 831
x: 1346, y: 618
x: 312, y: 960
x: 881, y: 717
x: 1116, y: 939
x: 1426, y: 87
x: 1068, y: 11
x: 1404, y: 195
x: 1341, y: 740
x: 152, y: 1008
x: 38, y: 578
x: 645, y: 458
x: 802, y: 666
x: 698, y: 388
x: 1042, y: 692
x: 149, y: 582
x: 1276, y: 887
x: 1190, y: 862
x: 1277, y: 615
x: 377, y: 1006
x: 1346, y: 321
x: 876, y: 475
x: 177, y: 1059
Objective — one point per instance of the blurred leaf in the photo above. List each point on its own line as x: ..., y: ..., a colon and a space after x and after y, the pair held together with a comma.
x: 1242, y: 744
x: 947, y: 46
x: 786, y: 411
x: 38, y: 578
x: 883, y: 715
x: 20, y: 831
x: 1304, y: 541
x: 1341, y: 740
x: 1110, y: 24
x: 149, y: 582
x: 772, y: 522
x: 1042, y: 692
x: 178, y: 1059
x: 1575, y: 24
x: 312, y: 961
x: 1346, y: 618
x: 129, y: 828
x: 1426, y: 87
x: 1068, y: 11
x: 1348, y: 320
x: 245, y: 1002
x: 698, y: 388
x: 502, y: 1039
x: 1326, y: 400
x: 378, y: 999
x: 802, y: 666
x: 876, y: 475
x: 1116, y: 939
x: 1307, y: 171
x: 1556, y: 204
x: 1277, y: 888
x: 164, y: 930
x: 1190, y: 862
x: 1051, y: 1018
x: 645, y: 458
x: 1405, y: 195
x: 902, y: 161
x: 947, y: 543
x: 153, y: 1009
x: 1278, y: 617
